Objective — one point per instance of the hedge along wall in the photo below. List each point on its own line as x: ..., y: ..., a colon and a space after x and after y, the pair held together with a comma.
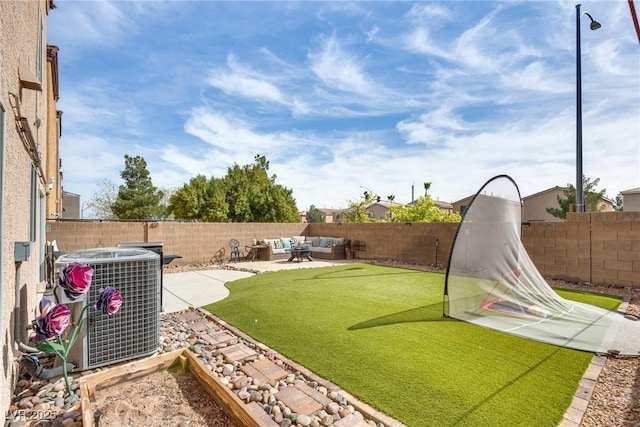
x: 601, y: 247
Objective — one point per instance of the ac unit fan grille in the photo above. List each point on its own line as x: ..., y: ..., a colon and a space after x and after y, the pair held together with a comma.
x: 135, y: 329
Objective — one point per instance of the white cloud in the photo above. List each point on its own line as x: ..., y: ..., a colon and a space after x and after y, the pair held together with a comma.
x: 535, y: 77
x: 339, y: 70
x: 609, y: 60
x: 242, y: 83
x: 101, y: 23
x: 427, y: 13
x: 419, y: 41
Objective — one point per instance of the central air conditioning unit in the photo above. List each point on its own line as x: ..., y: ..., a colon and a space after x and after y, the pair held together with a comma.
x: 132, y: 332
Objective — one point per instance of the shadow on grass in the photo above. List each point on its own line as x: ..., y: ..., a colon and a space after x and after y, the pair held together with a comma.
x: 426, y: 313
x: 433, y: 313
x: 462, y: 419
x: 335, y: 274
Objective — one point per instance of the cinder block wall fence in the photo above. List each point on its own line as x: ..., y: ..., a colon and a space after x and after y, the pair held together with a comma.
x: 601, y: 247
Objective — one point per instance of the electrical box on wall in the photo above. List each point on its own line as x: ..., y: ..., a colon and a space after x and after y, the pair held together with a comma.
x: 21, y: 251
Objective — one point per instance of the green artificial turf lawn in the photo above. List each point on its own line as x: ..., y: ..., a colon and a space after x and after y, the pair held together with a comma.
x: 378, y: 332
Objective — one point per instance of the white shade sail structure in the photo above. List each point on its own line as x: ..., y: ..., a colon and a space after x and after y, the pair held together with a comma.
x: 492, y: 282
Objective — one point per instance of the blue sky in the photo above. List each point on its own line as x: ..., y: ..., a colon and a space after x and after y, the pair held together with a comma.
x: 342, y: 97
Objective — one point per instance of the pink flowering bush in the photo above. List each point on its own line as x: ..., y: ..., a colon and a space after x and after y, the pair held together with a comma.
x: 75, y: 281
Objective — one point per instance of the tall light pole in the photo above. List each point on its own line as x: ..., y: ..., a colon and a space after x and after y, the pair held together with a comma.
x: 579, y: 184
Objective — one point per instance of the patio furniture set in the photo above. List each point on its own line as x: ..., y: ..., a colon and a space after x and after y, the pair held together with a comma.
x: 292, y: 248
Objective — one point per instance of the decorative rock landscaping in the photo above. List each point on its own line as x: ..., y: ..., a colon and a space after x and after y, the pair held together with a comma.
x: 43, y: 403
x: 276, y: 391
x: 264, y: 379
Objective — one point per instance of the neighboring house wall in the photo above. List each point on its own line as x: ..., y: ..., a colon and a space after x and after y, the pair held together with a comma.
x: 23, y: 89
x: 329, y: 215
x: 378, y: 210
x: 461, y: 205
x: 534, y: 207
x: 71, y: 205
x: 606, y: 205
x: 631, y: 200
x: 444, y: 206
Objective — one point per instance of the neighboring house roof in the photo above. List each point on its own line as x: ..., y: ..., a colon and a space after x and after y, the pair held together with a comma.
x: 548, y: 190
x: 439, y: 204
x: 326, y: 211
x: 442, y: 204
x: 384, y: 204
x: 556, y: 188
x: 631, y: 191
x: 463, y: 199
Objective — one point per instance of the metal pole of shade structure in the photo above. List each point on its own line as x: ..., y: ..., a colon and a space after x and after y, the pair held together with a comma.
x: 579, y: 183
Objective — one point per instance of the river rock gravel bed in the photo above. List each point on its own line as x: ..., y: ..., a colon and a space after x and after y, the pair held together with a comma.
x: 178, y: 333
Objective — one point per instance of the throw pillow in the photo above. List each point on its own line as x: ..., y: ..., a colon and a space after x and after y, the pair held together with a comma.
x: 324, y: 243
x: 286, y: 243
x: 277, y: 244
x: 297, y: 239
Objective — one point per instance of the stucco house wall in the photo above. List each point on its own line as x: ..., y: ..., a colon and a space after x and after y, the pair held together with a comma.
x: 534, y: 207
x: 631, y: 200
x: 378, y: 210
x: 460, y: 206
x: 23, y: 88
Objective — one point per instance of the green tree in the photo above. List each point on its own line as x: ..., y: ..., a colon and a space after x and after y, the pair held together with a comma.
x: 315, y: 215
x: 284, y: 208
x: 137, y: 197
x: 246, y: 194
x: 592, y: 198
x: 102, y: 201
x: 423, y: 210
x: 391, y: 197
x: 619, y: 206
x: 427, y: 186
x: 357, y: 211
x: 201, y: 199
x: 254, y: 196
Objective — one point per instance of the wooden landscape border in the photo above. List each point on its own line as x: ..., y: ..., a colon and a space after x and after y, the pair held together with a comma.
x: 182, y: 359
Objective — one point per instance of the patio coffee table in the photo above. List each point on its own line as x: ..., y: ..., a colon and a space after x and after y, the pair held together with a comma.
x: 300, y: 253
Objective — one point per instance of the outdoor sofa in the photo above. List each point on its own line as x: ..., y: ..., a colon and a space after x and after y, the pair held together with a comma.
x: 322, y: 247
